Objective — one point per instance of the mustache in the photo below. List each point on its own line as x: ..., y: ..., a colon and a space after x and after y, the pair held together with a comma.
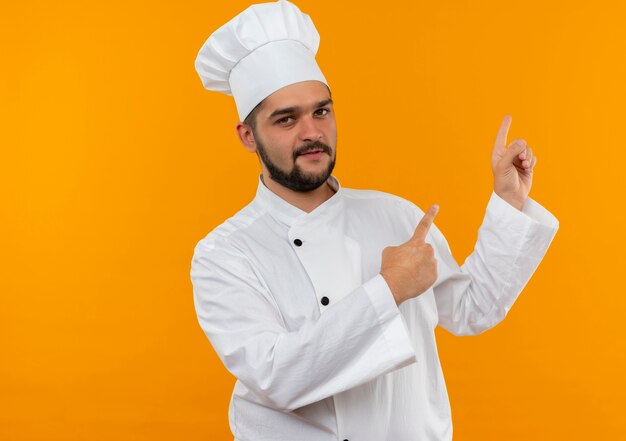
x: 316, y: 145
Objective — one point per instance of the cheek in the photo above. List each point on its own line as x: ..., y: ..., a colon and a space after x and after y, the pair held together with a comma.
x: 331, y: 127
x: 278, y: 147
x: 332, y: 135
x: 283, y: 152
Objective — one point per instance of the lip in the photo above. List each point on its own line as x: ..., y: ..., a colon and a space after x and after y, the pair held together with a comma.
x: 313, y: 155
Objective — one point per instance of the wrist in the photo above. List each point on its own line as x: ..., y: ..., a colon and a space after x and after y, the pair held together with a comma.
x: 392, y: 288
x: 512, y: 201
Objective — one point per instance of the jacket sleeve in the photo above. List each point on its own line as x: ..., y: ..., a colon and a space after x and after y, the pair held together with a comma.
x: 355, y: 340
x: 511, y: 243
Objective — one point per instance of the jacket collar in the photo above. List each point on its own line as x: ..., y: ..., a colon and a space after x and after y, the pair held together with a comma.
x: 288, y: 214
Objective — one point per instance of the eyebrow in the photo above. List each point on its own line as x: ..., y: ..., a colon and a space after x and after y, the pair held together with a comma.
x: 293, y: 109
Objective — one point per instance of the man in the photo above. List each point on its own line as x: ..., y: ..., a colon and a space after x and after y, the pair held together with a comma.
x: 323, y: 300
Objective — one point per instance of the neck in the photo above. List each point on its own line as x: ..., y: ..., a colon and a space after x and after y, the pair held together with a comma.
x: 307, y: 202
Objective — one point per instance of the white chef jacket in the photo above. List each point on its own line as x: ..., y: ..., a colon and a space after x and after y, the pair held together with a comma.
x: 295, y: 307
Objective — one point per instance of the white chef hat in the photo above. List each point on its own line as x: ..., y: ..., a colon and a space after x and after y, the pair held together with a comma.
x: 264, y: 48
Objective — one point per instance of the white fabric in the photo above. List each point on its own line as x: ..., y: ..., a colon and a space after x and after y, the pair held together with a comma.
x: 360, y: 368
x: 264, y: 48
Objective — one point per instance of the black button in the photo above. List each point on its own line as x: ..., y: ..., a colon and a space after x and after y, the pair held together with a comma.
x: 325, y: 301
x: 298, y: 242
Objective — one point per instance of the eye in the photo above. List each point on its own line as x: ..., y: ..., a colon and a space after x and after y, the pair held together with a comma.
x: 285, y: 120
x: 322, y: 112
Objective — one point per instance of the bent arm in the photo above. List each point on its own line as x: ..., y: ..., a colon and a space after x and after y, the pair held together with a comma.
x: 511, y: 244
x: 353, y: 341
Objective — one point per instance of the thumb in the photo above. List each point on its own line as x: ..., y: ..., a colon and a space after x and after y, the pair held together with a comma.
x: 512, y: 151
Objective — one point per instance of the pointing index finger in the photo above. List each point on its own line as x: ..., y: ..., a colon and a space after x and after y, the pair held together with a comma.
x: 424, y: 224
x: 503, y: 131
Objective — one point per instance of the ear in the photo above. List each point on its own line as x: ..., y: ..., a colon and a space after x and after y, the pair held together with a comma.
x: 246, y: 137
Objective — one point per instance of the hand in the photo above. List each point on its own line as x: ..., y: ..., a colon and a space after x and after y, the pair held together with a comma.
x: 512, y: 167
x: 411, y: 268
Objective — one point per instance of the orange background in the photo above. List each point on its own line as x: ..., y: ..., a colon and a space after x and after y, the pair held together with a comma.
x: 115, y: 162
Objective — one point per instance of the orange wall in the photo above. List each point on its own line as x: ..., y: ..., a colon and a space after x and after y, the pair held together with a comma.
x: 115, y: 162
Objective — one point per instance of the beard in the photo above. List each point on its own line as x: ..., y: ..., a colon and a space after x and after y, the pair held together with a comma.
x: 296, y: 179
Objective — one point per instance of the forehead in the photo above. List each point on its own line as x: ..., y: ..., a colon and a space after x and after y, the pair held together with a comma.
x: 303, y: 94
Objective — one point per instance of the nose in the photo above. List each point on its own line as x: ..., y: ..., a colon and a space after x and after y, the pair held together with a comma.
x: 310, y: 129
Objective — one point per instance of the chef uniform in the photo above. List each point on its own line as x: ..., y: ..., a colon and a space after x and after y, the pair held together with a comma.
x: 294, y: 303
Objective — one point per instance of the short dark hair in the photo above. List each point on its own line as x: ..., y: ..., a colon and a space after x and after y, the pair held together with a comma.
x: 251, y: 118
